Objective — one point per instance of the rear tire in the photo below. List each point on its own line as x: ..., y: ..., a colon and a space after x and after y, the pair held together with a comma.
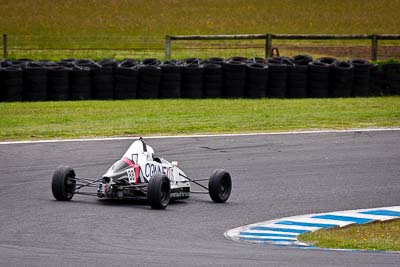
x: 62, y: 187
x: 220, y: 186
x: 159, y: 191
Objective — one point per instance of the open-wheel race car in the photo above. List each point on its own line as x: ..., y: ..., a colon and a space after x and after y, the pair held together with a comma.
x: 139, y: 174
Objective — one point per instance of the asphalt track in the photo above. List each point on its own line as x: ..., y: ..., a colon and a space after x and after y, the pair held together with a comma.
x: 273, y: 176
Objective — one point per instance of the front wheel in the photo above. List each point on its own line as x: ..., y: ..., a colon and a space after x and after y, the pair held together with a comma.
x: 220, y: 186
x: 159, y: 191
x: 62, y: 186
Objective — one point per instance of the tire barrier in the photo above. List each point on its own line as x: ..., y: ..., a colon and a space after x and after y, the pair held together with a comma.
x: 46, y: 63
x: 392, y: 79
x: 108, y: 63
x: 234, y: 78
x: 80, y: 83
x: 212, y: 80
x: 58, y: 83
x: 376, y: 81
x: 126, y: 78
x: 361, y: 80
x: 319, y: 79
x: 303, y: 60
x: 170, y: 84
x: 151, y: 62
x: 297, y: 76
x: 149, y: 80
x: 239, y: 59
x: 188, y: 61
x: 67, y: 62
x: 297, y: 81
x: 257, y: 80
x: 88, y: 63
x: 277, y: 77
x: 214, y: 60
x: 342, y: 79
x: 102, y: 82
x: 12, y: 84
x: 258, y: 60
x: 327, y: 60
x: 192, y: 81
x: 35, y: 82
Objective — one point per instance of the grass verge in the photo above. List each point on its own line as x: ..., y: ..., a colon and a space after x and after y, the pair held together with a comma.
x: 136, y: 28
x: 74, y: 119
x: 373, y: 236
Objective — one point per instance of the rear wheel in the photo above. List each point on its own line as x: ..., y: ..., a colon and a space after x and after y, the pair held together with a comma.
x: 62, y: 186
x: 220, y: 186
x: 159, y: 191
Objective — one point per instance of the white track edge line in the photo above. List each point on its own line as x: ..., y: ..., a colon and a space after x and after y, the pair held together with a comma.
x: 198, y: 136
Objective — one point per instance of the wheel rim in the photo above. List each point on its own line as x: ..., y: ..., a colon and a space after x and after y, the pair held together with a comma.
x: 225, y: 188
x: 164, y: 193
x: 70, y: 187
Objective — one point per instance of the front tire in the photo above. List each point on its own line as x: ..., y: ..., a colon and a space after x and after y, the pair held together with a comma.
x: 62, y: 187
x: 220, y: 186
x: 159, y: 191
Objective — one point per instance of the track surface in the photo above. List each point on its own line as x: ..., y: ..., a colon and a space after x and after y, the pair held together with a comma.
x: 273, y: 176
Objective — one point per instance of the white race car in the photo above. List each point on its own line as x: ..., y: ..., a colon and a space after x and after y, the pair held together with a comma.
x: 139, y: 174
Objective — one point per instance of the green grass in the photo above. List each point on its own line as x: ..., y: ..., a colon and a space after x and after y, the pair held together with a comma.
x: 142, y: 25
x: 44, y: 120
x: 159, y: 17
x: 373, y: 236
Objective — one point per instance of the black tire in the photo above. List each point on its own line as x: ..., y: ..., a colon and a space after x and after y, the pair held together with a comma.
x: 12, y: 84
x: 343, y: 73
x: 159, y: 191
x: 102, y: 83
x: 35, y: 83
x: 63, y: 188
x: 220, y: 185
x: 192, y: 60
x: 327, y: 60
x: 302, y: 59
x: 214, y: 60
x: 80, y: 84
x: 58, y: 83
x: 151, y: 62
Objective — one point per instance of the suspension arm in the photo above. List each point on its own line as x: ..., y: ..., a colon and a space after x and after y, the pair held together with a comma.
x: 194, y: 181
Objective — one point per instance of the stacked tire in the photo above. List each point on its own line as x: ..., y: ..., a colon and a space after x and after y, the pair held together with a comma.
x: 392, y: 79
x: 2, y: 92
x: 149, y: 80
x: 257, y: 80
x: 151, y: 62
x: 342, y: 79
x: 234, y: 78
x: 35, y: 82
x: 214, y: 60
x: 319, y: 77
x: 80, y: 83
x: 102, y: 82
x: 192, y: 80
x: 278, y: 76
x: 239, y: 59
x: 361, y: 80
x: 213, y: 80
x: 126, y: 77
x: 376, y: 81
x: 12, y: 84
x: 297, y: 77
x: 170, y: 84
x: 58, y: 83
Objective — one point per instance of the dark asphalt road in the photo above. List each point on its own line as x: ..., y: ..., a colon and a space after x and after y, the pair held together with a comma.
x: 273, y: 176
